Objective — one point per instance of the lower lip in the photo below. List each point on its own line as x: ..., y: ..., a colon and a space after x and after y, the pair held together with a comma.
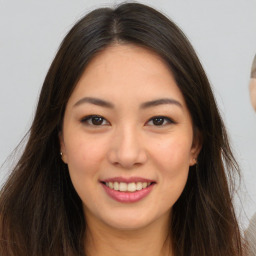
x: 128, y: 197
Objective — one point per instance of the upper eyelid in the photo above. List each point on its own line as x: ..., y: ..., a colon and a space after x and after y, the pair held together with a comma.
x: 164, y: 117
x: 88, y: 117
x: 169, y: 120
x: 93, y: 115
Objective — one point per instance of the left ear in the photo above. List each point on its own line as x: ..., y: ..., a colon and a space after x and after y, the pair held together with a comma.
x: 196, y: 147
x: 62, y: 148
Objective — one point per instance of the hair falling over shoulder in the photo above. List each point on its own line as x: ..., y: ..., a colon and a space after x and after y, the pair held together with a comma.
x: 41, y: 213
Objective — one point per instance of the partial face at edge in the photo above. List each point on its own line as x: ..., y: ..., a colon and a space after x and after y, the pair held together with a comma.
x: 127, y: 125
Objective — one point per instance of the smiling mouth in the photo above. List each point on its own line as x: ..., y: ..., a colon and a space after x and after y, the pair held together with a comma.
x: 128, y: 190
x: 127, y: 187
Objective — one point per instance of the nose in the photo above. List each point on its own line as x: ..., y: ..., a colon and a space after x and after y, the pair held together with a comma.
x: 127, y: 149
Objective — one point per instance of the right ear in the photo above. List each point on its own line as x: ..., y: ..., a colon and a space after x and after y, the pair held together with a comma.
x: 62, y: 148
x: 196, y: 146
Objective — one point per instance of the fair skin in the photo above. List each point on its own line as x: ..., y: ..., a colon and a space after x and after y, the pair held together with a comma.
x: 127, y: 122
x: 253, y: 92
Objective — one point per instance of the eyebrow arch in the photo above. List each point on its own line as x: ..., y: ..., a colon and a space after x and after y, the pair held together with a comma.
x: 158, y: 102
x: 94, y: 101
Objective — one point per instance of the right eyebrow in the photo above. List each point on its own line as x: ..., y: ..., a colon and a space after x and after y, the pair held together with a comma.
x: 94, y: 101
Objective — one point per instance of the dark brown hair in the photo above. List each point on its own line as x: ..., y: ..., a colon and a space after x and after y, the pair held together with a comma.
x: 40, y: 212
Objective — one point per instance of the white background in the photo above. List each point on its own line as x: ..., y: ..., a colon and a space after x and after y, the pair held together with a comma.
x: 223, y: 33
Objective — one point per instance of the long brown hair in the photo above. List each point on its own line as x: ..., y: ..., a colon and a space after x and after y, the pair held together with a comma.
x: 41, y: 213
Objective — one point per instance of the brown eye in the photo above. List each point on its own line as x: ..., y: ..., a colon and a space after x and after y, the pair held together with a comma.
x: 160, y: 121
x: 95, y: 120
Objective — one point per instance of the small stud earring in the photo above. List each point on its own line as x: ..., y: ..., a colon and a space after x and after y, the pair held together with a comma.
x: 61, y: 153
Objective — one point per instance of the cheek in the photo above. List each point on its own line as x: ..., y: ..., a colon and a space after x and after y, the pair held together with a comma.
x: 85, y: 155
x: 172, y: 161
x: 85, y: 159
x: 172, y: 153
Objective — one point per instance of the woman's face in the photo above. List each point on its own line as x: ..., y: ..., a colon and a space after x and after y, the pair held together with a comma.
x: 127, y: 138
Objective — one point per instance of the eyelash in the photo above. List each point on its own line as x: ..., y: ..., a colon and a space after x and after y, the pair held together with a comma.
x: 89, y: 120
x: 164, y: 120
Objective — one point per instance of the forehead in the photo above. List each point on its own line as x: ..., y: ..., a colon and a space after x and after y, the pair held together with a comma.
x: 127, y: 71
x: 127, y: 58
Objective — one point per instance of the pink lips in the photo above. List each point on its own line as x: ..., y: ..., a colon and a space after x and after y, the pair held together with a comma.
x: 128, y: 197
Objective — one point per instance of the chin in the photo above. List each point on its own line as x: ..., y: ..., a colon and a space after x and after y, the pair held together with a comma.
x: 131, y: 220
x: 128, y: 224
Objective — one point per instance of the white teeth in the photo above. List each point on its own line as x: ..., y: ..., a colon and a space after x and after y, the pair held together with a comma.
x: 116, y: 185
x: 122, y: 186
x: 130, y: 187
x: 110, y: 184
x: 139, y: 186
x: 144, y: 184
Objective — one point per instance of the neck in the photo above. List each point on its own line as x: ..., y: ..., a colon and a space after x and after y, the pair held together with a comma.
x: 152, y: 240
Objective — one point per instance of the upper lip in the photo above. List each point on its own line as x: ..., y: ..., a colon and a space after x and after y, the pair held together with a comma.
x: 127, y: 180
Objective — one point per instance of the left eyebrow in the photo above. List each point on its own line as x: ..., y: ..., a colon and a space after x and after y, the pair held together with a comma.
x: 158, y: 102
